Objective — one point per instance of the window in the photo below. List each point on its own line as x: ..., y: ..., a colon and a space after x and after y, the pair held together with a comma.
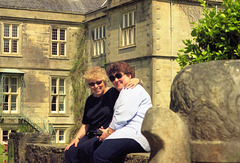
x: 128, y: 29
x: 58, y: 95
x: 10, y: 94
x: 10, y: 39
x: 99, y: 35
x: 58, y: 42
x: 60, y: 135
x: 5, y: 135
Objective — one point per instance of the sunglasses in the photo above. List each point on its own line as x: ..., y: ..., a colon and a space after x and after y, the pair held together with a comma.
x: 93, y: 84
x: 117, y: 75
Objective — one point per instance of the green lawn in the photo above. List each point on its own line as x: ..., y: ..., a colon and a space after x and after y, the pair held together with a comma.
x: 2, y: 148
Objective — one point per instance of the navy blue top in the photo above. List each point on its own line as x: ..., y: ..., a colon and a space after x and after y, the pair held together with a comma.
x: 98, y: 111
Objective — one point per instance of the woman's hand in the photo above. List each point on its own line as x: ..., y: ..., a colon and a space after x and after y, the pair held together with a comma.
x: 104, y: 134
x: 133, y: 82
x: 74, y: 142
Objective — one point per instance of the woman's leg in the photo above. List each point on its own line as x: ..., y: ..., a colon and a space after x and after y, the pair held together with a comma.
x: 85, y: 149
x: 72, y: 154
x: 112, y: 150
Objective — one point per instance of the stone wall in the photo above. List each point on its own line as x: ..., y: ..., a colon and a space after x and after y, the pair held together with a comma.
x: 37, y: 148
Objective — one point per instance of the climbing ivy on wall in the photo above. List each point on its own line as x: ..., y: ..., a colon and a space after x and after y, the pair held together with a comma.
x: 79, y: 91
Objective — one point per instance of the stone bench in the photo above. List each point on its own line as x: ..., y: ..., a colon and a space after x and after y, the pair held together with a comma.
x: 36, y: 147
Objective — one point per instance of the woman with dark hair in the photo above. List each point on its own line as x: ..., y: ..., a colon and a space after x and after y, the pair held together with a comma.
x: 124, y: 135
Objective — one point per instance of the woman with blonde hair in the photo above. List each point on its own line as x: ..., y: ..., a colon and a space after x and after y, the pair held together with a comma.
x: 98, y: 113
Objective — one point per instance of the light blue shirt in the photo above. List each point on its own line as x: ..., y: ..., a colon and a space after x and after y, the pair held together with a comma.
x: 129, y: 111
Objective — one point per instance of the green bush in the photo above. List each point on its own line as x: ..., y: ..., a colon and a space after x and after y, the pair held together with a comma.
x: 2, y: 151
x: 215, y: 37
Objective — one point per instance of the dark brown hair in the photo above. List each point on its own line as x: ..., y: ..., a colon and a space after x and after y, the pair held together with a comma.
x: 120, y: 67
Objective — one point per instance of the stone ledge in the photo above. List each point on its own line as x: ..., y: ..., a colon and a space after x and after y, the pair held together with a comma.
x: 137, y: 158
x: 48, y: 153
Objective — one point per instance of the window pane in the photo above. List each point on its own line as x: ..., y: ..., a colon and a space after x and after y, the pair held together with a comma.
x: 54, y: 34
x: 54, y: 99
x: 124, y: 38
x: 61, y: 107
x: 92, y: 34
x: 54, y: 86
x: 133, y: 18
x: 61, y: 99
x: 61, y: 103
x: 61, y: 135
x: 5, y: 135
x: 13, y: 84
x: 62, y: 34
x: 98, y: 48
x: 61, y: 138
x: 100, y: 32
x: 124, y: 23
x: 96, y: 33
x: 104, y: 34
x: 61, y: 86
x: 54, y: 48
x: 6, y: 30
x: 6, y: 45
x: 129, y: 36
x: 14, y: 31
x: 13, y: 102
x: 130, y: 19
x: 133, y: 36
x: 126, y: 20
x: 14, y: 46
x: 102, y: 46
x: 5, y: 102
x: 14, y: 98
x: 62, y: 50
x: 95, y: 49
x: 5, y: 84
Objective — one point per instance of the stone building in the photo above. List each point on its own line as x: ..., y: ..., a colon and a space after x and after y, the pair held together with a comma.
x: 147, y: 34
x: 38, y: 42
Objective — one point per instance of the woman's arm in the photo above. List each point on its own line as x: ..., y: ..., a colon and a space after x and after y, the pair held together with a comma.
x: 133, y: 82
x: 82, y: 131
x: 126, y: 107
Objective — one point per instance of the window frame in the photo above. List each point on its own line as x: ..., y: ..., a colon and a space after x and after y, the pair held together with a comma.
x: 99, y: 40
x: 2, y: 134
x: 57, y: 135
x: 10, y: 94
x: 128, y: 29
x: 11, y: 39
x: 57, y: 95
x: 58, y: 42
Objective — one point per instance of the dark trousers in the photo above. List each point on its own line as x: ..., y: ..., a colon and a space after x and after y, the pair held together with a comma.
x: 114, y: 150
x: 80, y: 154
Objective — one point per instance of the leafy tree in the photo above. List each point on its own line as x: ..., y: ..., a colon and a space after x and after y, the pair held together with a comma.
x: 215, y: 37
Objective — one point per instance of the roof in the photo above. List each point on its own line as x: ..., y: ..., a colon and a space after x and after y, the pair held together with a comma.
x: 72, y: 6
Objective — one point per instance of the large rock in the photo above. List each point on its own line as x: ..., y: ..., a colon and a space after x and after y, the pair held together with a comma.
x: 207, y: 97
x: 167, y: 135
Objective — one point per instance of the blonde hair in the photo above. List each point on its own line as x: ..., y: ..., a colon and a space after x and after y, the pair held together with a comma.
x: 94, y: 73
